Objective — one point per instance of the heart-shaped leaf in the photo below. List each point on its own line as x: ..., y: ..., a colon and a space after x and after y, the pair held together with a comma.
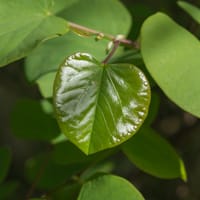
x: 99, y: 106
x: 109, y: 187
x: 171, y: 55
x: 24, y: 25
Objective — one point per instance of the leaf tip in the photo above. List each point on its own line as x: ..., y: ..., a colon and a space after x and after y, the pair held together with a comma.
x: 183, y: 172
x: 181, y: 3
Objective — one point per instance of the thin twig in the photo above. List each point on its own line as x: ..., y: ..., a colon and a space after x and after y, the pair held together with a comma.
x: 116, y: 44
x: 91, y: 32
x: 38, y: 177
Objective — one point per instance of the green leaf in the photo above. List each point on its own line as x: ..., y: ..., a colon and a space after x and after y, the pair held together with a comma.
x: 192, y: 10
x: 171, y: 55
x: 29, y: 121
x: 153, y: 108
x: 133, y: 57
x: 129, y: 56
x: 60, y: 138
x: 83, y: 13
x: 47, y: 106
x: 109, y: 22
x: 45, y: 84
x: 25, y: 25
x: 99, y: 106
x: 60, y: 5
x: 65, y: 153
x: 109, y: 187
x: 5, y: 161
x: 104, y: 167
x: 154, y: 155
x: 51, y: 174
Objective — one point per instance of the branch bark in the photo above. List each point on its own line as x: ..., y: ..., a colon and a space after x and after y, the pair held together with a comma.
x: 82, y: 30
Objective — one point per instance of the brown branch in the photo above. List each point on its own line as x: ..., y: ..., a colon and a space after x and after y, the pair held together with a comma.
x: 116, y: 44
x: 91, y: 32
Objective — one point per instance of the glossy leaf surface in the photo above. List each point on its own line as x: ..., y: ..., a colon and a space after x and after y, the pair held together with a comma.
x: 5, y: 161
x: 29, y: 23
x: 192, y: 10
x: 99, y: 106
x: 109, y: 187
x: 49, y: 55
x: 154, y: 155
x: 171, y: 55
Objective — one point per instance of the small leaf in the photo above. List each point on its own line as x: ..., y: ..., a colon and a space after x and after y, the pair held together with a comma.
x: 109, y: 187
x: 171, y: 55
x: 104, y: 167
x: 154, y: 155
x: 26, y: 24
x: 60, y: 138
x: 29, y: 121
x: 99, y: 106
x: 192, y: 10
x: 5, y: 161
x: 47, y: 106
x: 45, y: 84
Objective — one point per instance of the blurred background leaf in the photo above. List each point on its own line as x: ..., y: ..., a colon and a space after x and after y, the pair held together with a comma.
x: 32, y: 122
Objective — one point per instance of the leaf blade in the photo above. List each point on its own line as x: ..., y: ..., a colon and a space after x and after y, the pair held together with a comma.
x: 171, y: 62
x: 192, y: 10
x: 34, y: 23
x: 109, y: 187
x: 33, y: 123
x: 99, y: 106
x: 154, y: 155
